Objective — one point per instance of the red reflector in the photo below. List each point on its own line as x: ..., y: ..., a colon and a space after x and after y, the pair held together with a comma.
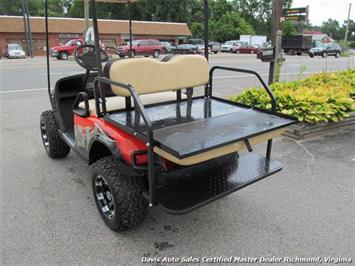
x: 140, y: 159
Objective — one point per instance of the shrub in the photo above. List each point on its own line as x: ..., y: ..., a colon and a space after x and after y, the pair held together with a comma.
x: 320, y: 98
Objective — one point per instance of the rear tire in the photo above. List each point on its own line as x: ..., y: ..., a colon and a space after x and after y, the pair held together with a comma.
x: 156, y: 54
x: 63, y: 56
x: 52, y: 142
x: 337, y: 55
x: 118, y: 198
x: 324, y: 55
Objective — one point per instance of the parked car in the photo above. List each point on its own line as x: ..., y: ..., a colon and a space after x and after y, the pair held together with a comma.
x: 14, y: 50
x: 195, y: 41
x: 201, y: 48
x: 186, y: 49
x: 167, y: 47
x: 231, y: 46
x: 142, y: 47
x: 215, y: 47
x: 326, y: 49
x: 247, y: 49
x: 62, y: 52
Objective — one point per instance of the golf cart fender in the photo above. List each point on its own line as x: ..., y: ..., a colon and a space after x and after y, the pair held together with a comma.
x: 93, y: 132
x: 98, y: 142
x: 103, y: 141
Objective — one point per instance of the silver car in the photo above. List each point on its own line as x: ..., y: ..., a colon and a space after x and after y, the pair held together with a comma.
x: 231, y: 46
x: 14, y: 50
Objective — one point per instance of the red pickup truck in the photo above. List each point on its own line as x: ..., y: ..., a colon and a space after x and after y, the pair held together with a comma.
x: 62, y: 52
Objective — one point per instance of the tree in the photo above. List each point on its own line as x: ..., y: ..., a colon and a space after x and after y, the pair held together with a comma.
x: 229, y: 27
x: 258, y: 13
x: 288, y: 28
x: 197, y: 30
x: 332, y: 28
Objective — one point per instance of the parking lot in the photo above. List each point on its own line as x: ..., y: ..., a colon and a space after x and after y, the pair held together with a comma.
x: 48, y: 214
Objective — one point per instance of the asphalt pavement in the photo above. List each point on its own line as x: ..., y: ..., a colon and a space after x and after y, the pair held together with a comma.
x: 48, y: 214
x: 31, y: 74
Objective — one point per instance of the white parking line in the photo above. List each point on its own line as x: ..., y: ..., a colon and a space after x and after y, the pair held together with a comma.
x: 25, y: 90
x: 218, y: 77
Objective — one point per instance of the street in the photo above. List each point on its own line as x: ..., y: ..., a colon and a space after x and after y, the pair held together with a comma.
x: 49, y: 217
x: 33, y: 75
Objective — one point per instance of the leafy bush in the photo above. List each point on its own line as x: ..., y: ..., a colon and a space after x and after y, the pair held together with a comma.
x: 320, y: 98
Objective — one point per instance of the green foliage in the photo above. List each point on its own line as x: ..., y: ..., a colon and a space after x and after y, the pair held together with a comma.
x: 229, y: 27
x: 288, y: 28
x: 321, y: 98
x: 258, y: 13
x: 332, y: 28
x: 197, y: 30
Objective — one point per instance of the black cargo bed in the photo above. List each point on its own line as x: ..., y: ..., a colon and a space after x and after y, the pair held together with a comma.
x: 187, y: 128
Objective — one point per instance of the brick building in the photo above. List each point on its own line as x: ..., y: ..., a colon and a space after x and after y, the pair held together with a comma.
x: 112, y: 32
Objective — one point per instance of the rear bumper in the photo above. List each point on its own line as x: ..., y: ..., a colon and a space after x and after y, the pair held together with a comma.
x: 16, y: 56
x: 122, y: 52
x: 54, y: 53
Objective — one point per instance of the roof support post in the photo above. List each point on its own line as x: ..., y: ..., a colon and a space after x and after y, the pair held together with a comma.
x: 206, y: 14
x: 47, y: 55
x: 130, y: 28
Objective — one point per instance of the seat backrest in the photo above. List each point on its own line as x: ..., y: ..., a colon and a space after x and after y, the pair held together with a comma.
x: 148, y: 75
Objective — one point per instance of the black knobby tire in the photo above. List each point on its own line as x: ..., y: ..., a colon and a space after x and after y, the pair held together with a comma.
x: 53, y: 144
x: 130, y: 207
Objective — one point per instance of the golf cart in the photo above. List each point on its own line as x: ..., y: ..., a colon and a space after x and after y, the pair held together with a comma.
x: 179, y: 154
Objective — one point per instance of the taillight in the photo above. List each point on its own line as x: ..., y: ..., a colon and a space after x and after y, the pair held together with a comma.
x: 140, y: 158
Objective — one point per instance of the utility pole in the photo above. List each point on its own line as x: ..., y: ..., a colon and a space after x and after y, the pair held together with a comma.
x: 86, y: 15
x: 275, y: 26
x: 29, y: 29
x: 347, y: 26
x: 25, y: 24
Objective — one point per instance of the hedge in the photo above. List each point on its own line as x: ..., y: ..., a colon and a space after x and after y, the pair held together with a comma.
x: 320, y: 98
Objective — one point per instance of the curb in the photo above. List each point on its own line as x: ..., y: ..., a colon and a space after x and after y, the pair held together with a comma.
x: 302, y: 130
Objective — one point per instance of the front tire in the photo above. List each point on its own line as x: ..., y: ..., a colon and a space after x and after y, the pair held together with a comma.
x: 118, y: 198
x: 52, y: 142
x: 337, y: 55
x: 324, y: 55
x: 63, y: 56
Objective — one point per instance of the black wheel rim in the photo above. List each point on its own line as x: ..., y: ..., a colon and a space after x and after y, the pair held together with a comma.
x: 44, y: 135
x: 104, y: 197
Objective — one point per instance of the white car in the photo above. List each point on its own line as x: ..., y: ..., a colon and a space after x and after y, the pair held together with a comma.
x: 14, y: 50
x: 231, y: 46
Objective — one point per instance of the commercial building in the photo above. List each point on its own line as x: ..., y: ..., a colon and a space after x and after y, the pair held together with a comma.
x: 112, y: 32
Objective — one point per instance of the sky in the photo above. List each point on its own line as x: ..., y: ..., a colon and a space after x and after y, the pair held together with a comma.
x: 321, y: 10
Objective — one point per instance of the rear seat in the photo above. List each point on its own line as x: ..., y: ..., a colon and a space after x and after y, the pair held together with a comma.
x: 154, y: 76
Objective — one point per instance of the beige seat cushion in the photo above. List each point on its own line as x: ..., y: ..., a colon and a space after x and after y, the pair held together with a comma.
x: 218, y: 152
x: 118, y: 102
x: 148, y: 75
